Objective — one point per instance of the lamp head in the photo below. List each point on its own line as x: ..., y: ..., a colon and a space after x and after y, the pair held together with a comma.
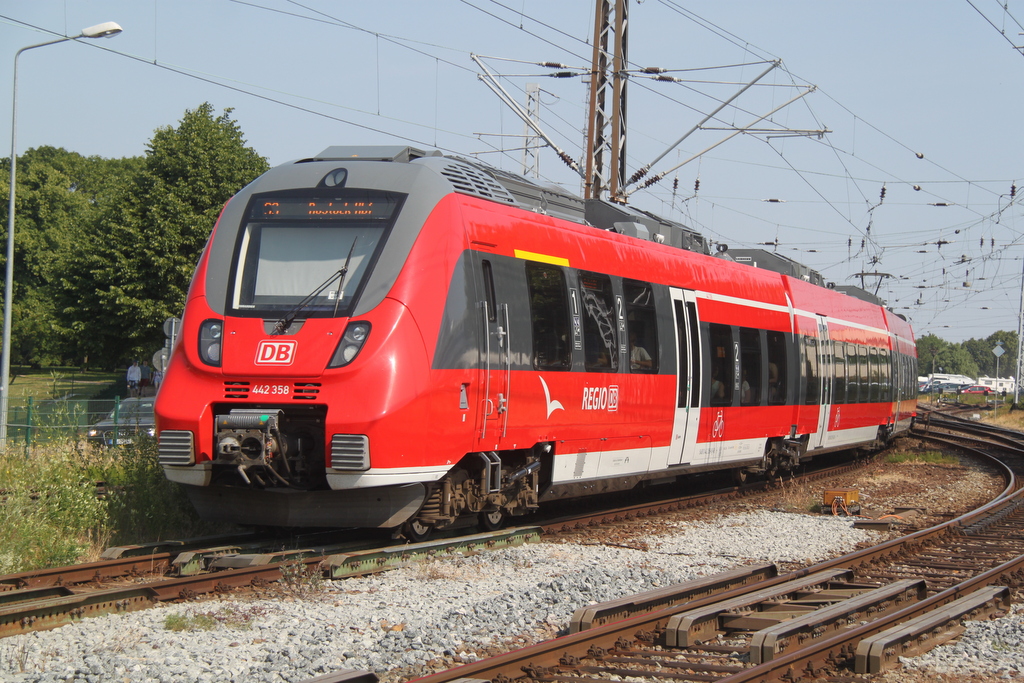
x: 107, y: 29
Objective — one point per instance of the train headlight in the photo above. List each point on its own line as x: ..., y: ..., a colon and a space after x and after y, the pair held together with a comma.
x: 211, y: 334
x: 351, y: 342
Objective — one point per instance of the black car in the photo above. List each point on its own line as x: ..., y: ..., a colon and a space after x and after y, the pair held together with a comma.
x: 134, y: 416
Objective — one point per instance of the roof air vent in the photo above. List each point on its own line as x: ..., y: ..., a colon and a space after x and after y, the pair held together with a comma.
x: 471, y: 181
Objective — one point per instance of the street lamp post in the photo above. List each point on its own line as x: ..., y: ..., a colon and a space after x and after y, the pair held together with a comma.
x: 104, y: 30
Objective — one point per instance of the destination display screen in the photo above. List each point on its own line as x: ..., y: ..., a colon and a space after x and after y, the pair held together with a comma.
x: 319, y: 208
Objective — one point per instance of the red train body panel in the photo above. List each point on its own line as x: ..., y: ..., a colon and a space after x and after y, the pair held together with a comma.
x: 481, y: 344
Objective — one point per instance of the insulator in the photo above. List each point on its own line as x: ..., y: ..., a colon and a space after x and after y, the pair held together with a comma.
x: 563, y: 74
x: 669, y: 79
x: 696, y: 186
x: 993, y: 243
x: 554, y: 65
x: 638, y: 175
x: 651, y: 181
x: 862, y: 242
x: 881, y: 195
x: 653, y: 70
x: 675, y: 184
x: 1013, y: 190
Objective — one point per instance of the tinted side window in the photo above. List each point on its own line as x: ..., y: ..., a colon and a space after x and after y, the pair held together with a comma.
x: 750, y: 359
x: 852, y: 374
x: 721, y: 364
x: 865, y: 383
x: 885, y: 386
x: 492, y: 305
x: 813, y: 395
x: 549, y: 313
x: 776, y: 368
x: 839, y: 384
x: 599, y: 338
x: 641, y: 326
x: 876, y: 393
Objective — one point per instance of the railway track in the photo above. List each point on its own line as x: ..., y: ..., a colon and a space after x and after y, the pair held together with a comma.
x: 138, y: 577
x: 855, y: 614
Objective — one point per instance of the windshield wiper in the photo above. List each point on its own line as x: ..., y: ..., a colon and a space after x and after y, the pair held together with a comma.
x: 284, y: 323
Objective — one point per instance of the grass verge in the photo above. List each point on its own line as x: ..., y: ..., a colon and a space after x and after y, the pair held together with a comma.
x: 51, y: 512
x: 930, y: 457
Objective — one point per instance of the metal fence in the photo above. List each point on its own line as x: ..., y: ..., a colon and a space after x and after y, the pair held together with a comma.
x: 34, y: 422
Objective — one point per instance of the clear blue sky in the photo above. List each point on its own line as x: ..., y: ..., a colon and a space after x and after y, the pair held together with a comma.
x: 894, y: 79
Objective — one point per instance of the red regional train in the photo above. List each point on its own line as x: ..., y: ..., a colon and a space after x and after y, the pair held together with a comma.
x: 386, y: 337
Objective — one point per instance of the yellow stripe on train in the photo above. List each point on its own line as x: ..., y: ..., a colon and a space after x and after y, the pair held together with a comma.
x: 543, y: 258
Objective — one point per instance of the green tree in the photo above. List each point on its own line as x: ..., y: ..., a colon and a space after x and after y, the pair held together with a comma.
x: 954, y: 359
x: 981, y: 351
x: 928, y: 349
x: 145, y: 246
x: 59, y: 193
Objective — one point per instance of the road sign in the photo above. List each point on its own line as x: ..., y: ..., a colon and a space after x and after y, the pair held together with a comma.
x: 160, y: 359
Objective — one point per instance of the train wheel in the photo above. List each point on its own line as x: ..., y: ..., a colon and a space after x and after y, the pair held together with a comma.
x: 740, y: 476
x: 492, y: 520
x: 416, y: 531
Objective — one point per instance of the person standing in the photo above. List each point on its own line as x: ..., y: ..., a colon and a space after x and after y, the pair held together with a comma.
x: 134, y: 377
x: 146, y: 375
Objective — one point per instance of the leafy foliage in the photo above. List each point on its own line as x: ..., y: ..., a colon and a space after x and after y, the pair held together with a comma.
x: 105, y: 248
x: 141, y: 503
x: 973, y: 357
x: 58, y: 195
x: 51, y: 513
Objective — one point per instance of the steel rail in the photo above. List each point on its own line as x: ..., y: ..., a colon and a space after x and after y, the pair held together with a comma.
x: 257, y: 570
x: 792, y: 666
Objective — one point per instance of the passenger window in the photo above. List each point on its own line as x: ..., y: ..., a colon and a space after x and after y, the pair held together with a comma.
x: 750, y: 360
x: 599, y: 339
x: 852, y: 373
x: 813, y: 395
x: 549, y: 315
x: 492, y: 305
x: 721, y: 364
x: 884, y: 386
x: 865, y: 382
x: 776, y: 368
x: 641, y: 326
x: 876, y: 387
x: 839, y: 384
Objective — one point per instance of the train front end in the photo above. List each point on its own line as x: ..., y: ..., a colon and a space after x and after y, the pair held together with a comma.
x: 294, y: 356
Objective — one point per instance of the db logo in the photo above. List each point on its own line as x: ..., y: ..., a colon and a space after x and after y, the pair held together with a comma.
x: 276, y: 352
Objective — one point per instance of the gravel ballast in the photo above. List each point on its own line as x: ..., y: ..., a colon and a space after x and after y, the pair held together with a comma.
x: 415, y: 620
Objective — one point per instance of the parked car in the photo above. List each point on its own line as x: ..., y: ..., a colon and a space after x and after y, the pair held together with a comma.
x: 134, y: 416
x: 976, y: 389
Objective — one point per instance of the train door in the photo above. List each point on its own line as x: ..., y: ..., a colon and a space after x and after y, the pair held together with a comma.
x: 495, y: 365
x: 823, y: 362
x: 688, y: 355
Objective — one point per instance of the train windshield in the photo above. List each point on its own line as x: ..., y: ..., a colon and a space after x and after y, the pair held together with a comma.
x: 309, y: 251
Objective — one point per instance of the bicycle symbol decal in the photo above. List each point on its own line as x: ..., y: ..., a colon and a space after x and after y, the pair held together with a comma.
x: 718, y: 429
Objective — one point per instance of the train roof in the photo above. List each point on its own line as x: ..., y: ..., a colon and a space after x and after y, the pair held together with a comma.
x: 475, y: 178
